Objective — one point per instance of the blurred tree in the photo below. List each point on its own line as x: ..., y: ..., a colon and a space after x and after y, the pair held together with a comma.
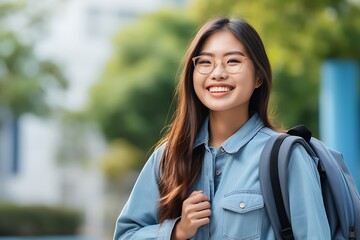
x: 24, y: 78
x: 120, y: 157
x: 133, y: 97
x: 298, y: 35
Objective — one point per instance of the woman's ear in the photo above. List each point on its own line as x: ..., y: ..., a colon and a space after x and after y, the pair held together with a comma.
x: 259, y: 82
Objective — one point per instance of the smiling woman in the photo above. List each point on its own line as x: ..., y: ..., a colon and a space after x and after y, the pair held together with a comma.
x: 225, y: 87
x: 202, y: 181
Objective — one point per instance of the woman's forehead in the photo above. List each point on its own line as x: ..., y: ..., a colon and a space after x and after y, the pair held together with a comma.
x: 222, y: 42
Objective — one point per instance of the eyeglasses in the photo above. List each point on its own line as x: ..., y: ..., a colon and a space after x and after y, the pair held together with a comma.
x: 205, y: 64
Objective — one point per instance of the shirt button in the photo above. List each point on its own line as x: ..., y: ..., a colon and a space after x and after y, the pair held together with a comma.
x: 242, y: 205
x: 222, y: 150
x: 218, y: 172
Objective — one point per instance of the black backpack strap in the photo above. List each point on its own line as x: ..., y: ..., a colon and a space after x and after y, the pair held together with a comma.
x: 266, y: 188
x: 286, y: 230
x: 300, y: 131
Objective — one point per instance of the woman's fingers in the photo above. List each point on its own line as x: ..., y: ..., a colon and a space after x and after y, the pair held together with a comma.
x: 200, y: 214
x: 195, y: 213
x: 196, y: 196
x: 195, y: 207
x: 200, y: 222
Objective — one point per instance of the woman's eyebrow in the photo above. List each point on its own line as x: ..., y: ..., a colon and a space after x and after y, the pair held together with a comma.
x: 226, y: 54
x: 234, y: 52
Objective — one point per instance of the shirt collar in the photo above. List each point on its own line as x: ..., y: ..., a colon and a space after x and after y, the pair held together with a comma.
x: 203, y: 134
x: 238, y: 139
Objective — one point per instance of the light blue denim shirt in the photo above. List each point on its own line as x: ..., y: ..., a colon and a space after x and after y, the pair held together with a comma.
x: 230, y: 178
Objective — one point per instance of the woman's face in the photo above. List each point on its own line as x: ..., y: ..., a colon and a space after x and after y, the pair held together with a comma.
x: 220, y: 90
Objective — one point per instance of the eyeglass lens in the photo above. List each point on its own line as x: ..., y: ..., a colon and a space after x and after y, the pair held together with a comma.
x: 206, y: 64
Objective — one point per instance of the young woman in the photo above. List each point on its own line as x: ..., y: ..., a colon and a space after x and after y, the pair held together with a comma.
x: 202, y: 181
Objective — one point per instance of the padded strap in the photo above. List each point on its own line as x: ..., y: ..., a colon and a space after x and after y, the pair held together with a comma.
x: 301, y: 131
x: 286, y: 230
x: 266, y: 188
x: 273, y: 169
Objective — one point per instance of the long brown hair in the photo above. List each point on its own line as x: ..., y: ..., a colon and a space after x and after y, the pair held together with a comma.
x: 180, y: 164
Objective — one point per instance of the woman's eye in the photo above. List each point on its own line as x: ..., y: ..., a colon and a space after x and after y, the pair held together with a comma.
x: 204, y: 62
x: 233, y: 61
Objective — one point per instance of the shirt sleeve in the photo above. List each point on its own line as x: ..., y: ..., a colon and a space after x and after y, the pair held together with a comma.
x: 307, y: 211
x: 139, y: 217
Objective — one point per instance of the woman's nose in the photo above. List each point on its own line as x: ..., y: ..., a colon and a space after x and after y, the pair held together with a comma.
x: 219, y: 72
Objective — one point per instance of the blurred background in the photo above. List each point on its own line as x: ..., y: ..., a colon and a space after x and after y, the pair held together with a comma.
x: 86, y: 89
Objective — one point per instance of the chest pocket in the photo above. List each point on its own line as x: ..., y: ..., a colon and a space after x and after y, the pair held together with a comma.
x: 242, y: 215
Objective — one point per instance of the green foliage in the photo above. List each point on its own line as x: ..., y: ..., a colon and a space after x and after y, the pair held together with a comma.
x: 24, y: 78
x: 134, y: 95
x: 120, y: 157
x: 38, y: 220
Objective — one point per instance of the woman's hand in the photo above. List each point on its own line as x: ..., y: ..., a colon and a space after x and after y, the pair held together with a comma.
x: 195, y: 213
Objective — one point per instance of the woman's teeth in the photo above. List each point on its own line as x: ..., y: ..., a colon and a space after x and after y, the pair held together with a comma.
x: 219, y: 89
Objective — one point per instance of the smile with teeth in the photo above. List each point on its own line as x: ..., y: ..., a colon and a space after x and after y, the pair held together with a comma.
x: 219, y: 89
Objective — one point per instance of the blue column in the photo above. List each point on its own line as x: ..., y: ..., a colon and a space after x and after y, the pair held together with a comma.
x: 340, y: 111
x: 15, y: 146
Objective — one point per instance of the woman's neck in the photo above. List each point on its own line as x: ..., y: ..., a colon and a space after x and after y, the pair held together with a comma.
x: 223, y: 125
